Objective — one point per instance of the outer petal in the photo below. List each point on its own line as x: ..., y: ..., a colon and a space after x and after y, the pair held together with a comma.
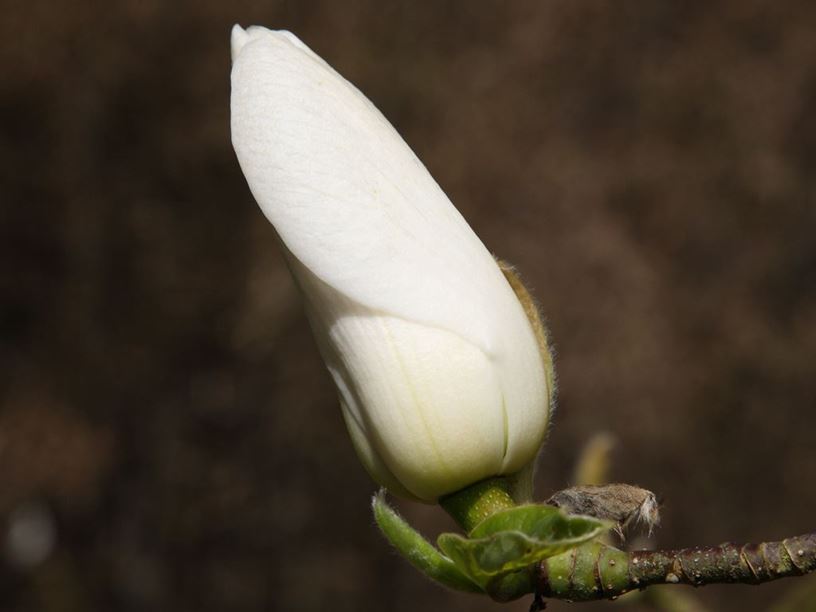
x: 438, y: 423
x: 349, y: 198
x: 357, y: 209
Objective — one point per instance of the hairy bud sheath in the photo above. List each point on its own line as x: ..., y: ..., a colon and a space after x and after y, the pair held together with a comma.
x: 439, y: 373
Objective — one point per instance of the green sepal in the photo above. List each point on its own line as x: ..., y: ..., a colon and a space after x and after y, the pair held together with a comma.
x: 517, y: 538
x: 417, y: 550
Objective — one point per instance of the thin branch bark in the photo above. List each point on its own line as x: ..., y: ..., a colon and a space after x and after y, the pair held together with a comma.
x: 597, y: 571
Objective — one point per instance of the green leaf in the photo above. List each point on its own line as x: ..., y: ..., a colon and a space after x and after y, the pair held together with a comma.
x: 517, y: 538
x: 545, y: 523
x: 417, y: 550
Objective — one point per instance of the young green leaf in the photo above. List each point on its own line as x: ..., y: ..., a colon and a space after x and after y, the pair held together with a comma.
x: 517, y: 538
x: 417, y: 550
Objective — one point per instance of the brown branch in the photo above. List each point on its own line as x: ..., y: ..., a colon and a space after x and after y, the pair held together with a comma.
x: 597, y: 571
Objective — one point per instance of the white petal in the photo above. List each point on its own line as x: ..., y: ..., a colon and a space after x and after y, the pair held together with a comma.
x: 362, y: 439
x: 438, y: 424
x: 238, y: 38
x: 349, y: 198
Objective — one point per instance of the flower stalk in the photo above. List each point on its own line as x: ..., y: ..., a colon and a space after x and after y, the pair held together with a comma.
x: 477, y: 502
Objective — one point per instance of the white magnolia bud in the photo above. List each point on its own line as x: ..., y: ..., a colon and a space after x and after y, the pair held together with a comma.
x: 439, y: 372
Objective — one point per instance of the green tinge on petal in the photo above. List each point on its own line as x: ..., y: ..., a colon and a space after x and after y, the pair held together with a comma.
x: 516, y: 539
x: 417, y: 550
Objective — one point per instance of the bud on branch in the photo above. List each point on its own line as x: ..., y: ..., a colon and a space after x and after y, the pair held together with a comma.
x: 438, y: 354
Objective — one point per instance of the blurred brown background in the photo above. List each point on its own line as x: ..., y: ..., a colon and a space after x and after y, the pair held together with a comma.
x: 169, y: 439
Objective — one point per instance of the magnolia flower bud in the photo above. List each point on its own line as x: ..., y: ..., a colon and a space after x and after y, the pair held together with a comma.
x: 441, y: 379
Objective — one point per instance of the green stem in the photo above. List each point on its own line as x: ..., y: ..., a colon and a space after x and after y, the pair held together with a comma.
x: 472, y: 505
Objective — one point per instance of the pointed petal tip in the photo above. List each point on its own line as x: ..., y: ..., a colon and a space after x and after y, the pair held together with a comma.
x: 238, y: 38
